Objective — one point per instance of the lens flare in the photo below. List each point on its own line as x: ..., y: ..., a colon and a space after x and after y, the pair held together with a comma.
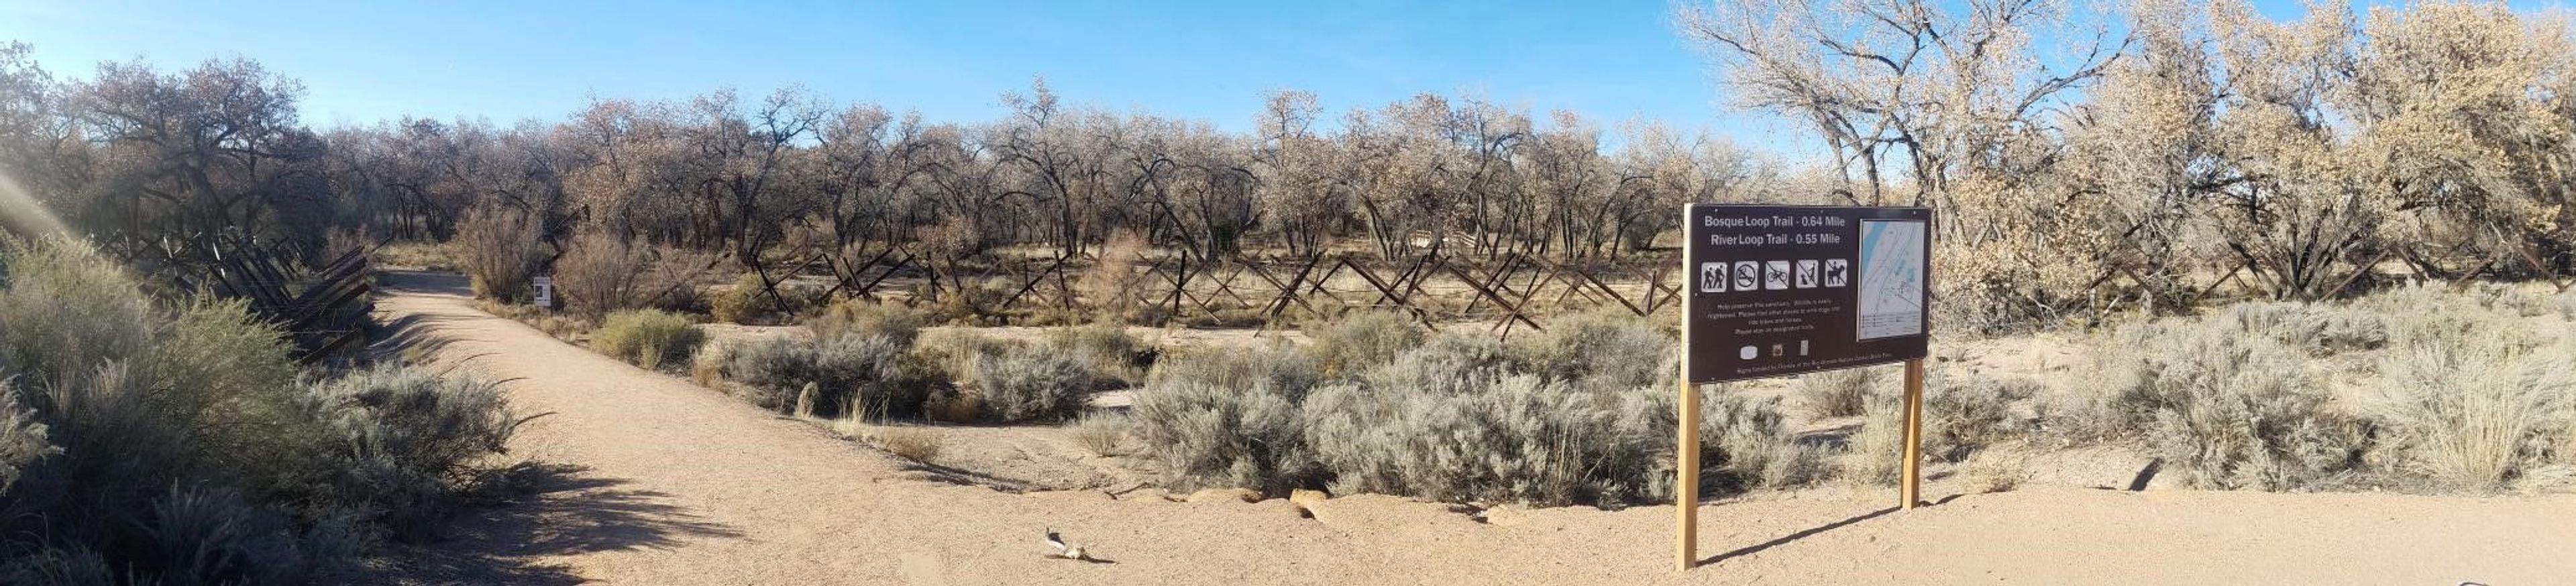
x: 21, y: 213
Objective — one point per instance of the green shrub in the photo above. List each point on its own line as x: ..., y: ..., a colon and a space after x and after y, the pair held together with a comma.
x: 647, y: 337
x: 1836, y: 393
x: 897, y: 323
x: 2475, y: 418
x: 1359, y: 340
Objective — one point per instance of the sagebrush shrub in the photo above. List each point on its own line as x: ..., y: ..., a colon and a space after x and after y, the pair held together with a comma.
x: 1359, y: 340
x: 2429, y: 315
x: 409, y: 440
x: 851, y: 376
x: 2227, y: 410
x: 1212, y: 435
x: 1516, y: 438
x: 1604, y: 348
x: 1964, y: 414
x: 1034, y: 383
x: 189, y: 452
x: 1745, y: 444
x: 647, y: 337
x: 1836, y: 393
x: 1446, y: 365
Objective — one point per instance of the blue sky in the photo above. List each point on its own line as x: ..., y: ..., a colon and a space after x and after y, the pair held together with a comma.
x: 367, y: 61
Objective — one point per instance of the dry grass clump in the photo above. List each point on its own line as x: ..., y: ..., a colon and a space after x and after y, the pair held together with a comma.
x: 2476, y: 417
x: 1998, y: 470
x: 500, y: 248
x: 427, y: 256
x: 1107, y: 349
x: 747, y: 302
x: 918, y: 444
x: 1877, y: 448
x: 1110, y: 286
x: 858, y: 317
x: 1837, y: 393
x: 647, y: 337
x: 2320, y: 329
x: 1360, y: 340
x: 1104, y: 434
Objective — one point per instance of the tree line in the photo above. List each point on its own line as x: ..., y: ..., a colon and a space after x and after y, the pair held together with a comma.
x: 2087, y: 158
x: 133, y: 154
x: 2083, y: 159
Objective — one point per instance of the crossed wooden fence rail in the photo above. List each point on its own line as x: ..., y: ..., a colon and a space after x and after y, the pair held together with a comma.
x: 1509, y: 292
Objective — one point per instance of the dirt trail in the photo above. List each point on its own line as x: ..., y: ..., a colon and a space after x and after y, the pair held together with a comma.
x: 656, y: 481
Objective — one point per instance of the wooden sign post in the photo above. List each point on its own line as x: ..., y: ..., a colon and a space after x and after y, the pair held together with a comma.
x: 1788, y: 290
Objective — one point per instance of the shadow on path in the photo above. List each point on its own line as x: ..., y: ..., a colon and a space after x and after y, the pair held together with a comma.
x: 1811, y: 532
x: 563, y: 510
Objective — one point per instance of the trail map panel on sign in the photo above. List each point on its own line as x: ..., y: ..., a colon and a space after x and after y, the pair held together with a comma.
x: 1785, y: 290
x: 1891, y: 278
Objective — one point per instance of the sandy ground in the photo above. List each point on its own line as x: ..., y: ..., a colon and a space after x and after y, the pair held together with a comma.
x: 652, y: 480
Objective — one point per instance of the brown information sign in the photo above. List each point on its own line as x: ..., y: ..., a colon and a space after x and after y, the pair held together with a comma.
x: 1784, y: 290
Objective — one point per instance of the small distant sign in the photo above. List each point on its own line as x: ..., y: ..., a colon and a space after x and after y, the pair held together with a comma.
x: 545, y: 287
x: 1787, y: 290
